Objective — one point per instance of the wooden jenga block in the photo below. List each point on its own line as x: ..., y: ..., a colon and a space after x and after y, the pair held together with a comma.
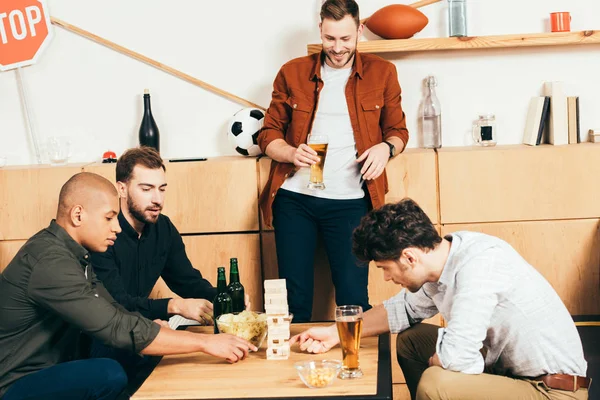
x: 278, y: 353
x: 276, y: 290
x: 276, y: 300
x: 277, y: 309
x: 279, y: 331
x: 278, y: 319
x: 275, y: 284
x: 277, y: 341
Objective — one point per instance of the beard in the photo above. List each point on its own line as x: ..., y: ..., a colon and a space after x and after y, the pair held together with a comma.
x: 140, y: 214
x: 340, y: 64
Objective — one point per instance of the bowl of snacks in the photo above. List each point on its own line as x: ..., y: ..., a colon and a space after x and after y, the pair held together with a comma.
x: 249, y: 325
x: 318, y: 374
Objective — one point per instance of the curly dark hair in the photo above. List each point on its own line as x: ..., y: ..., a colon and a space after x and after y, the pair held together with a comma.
x: 385, y: 232
x: 144, y: 156
x: 338, y: 9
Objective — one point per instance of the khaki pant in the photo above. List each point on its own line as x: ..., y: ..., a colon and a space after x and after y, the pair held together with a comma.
x: 417, y: 344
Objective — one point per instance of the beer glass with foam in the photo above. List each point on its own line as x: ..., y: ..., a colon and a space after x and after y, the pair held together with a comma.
x: 319, y: 144
x: 349, y: 320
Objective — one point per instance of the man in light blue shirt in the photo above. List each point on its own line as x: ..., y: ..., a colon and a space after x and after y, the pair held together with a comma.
x: 508, y: 334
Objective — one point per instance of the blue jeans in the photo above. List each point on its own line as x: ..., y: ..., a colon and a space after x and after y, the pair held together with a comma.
x: 93, y: 379
x: 132, y: 363
x: 298, y: 219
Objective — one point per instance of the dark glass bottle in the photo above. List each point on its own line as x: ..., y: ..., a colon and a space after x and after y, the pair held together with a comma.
x: 222, y: 302
x: 235, y: 288
x: 148, y: 130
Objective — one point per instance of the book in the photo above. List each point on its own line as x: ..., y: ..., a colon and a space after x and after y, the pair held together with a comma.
x: 534, y: 124
x: 558, y: 133
x: 573, y: 116
x: 544, y: 120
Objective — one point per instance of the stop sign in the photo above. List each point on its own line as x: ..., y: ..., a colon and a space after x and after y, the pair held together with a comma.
x: 24, y: 32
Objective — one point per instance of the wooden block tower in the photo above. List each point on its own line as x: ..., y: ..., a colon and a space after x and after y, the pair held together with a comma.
x: 278, y: 319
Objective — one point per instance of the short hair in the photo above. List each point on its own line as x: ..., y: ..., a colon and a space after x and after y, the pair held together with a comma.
x: 338, y: 9
x: 80, y: 188
x: 144, y: 156
x: 385, y: 232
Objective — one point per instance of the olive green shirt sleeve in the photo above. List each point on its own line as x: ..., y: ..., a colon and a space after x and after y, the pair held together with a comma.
x: 60, y: 283
x: 103, y: 292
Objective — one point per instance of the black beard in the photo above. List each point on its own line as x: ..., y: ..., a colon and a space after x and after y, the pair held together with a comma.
x: 138, y: 214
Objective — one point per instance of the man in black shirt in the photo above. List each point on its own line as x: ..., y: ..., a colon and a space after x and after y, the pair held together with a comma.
x: 49, y: 294
x: 150, y: 247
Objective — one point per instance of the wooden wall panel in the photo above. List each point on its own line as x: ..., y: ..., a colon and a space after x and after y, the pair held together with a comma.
x: 567, y: 254
x: 105, y: 170
x: 218, y: 195
x: 207, y: 252
x: 8, y: 249
x: 29, y: 198
x: 519, y: 183
x: 264, y: 166
x: 413, y: 174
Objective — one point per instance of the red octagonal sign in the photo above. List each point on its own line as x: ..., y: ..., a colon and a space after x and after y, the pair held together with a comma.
x: 24, y: 32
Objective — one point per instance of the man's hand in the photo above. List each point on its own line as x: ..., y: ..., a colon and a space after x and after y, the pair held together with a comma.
x: 162, y: 323
x: 375, y: 159
x: 247, y: 302
x: 435, y: 361
x: 317, y: 340
x: 229, y: 347
x: 197, y: 309
x: 303, y: 156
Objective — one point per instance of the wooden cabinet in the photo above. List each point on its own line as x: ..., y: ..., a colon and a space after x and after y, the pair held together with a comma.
x: 519, y: 183
x: 566, y: 253
x: 207, y: 252
x: 218, y: 195
x: 542, y: 200
x: 29, y: 198
x: 8, y: 249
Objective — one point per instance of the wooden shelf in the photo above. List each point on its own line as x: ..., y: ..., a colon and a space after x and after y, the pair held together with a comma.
x: 474, y: 42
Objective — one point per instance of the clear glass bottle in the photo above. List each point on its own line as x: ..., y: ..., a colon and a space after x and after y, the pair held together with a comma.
x: 457, y: 18
x: 432, y: 116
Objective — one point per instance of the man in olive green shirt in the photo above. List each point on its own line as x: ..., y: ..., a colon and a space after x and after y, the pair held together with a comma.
x: 49, y: 294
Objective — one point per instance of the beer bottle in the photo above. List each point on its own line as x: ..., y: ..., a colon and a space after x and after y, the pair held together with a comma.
x: 235, y: 288
x: 222, y: 302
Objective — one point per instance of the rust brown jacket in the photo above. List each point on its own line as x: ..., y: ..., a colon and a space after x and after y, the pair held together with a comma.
x: 374, y: 103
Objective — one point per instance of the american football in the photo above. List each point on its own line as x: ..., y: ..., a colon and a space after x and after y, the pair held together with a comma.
x: 396, y: 21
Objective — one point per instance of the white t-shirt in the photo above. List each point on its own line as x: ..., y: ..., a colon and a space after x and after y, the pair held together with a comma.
x: 341, y: 173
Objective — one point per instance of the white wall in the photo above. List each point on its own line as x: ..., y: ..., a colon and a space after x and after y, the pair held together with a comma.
x: 93, y: 94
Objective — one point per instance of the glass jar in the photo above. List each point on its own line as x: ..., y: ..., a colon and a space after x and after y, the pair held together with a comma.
x: 484, y: 130
x: 457, y: 18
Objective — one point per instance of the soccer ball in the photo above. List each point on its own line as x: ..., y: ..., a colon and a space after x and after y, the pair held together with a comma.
x: 243, y: 129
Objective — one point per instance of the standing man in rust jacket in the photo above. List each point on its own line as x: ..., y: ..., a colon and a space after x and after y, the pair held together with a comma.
x: 355, y: 100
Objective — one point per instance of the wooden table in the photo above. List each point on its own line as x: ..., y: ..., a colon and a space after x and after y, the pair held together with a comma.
x: 199, y: 376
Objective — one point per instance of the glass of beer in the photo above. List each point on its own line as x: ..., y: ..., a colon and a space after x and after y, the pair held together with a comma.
x: 349, y: 320
x: 319, y: 144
